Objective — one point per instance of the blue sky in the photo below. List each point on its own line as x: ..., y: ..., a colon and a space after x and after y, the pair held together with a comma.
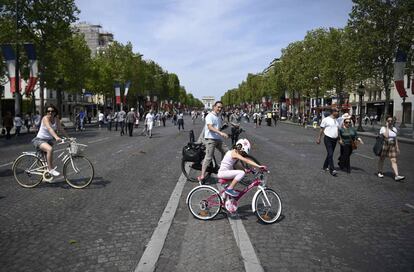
x: 212, y: 45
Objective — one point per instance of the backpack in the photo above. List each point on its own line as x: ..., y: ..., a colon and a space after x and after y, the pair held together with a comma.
x: 193, y: 152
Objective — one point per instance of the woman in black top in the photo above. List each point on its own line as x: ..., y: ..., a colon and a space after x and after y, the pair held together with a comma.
x: 347, y: 135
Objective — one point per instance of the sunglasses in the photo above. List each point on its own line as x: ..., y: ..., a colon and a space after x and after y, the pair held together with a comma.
x: 50, y: 111
x: 347, y: 122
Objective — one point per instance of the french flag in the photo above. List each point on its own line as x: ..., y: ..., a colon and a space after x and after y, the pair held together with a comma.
x: 34, y: 71
x: 399, y: 66
x: 127, y: 85
x: 10, y: 58
x: 118, y: 93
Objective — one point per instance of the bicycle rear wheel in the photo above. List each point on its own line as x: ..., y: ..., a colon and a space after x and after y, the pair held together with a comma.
x: 78, y: 172
x: 28, y: 171
x: 268, y: 213
x: 192, y: 170
x: 204, y: 203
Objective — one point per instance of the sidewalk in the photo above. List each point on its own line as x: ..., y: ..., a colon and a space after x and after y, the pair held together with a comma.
x: 405, y: 135
x: 67, y: 124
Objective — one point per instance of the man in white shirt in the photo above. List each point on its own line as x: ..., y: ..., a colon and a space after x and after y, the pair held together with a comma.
x: 330, y: 128
x: 213, y: 137
x: 149, y: 122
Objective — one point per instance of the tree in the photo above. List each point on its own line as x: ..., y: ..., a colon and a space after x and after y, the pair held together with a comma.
x: 378, y: 29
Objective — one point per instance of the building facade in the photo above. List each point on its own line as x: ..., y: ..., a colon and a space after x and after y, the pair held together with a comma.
x: 208, y: 102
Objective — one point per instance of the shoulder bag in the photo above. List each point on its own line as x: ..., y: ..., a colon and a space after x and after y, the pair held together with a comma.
x: 379, y: 142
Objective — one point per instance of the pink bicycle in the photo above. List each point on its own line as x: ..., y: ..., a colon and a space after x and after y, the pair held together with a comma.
x: 205, y: 202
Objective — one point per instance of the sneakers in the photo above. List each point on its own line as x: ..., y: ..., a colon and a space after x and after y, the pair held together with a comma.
x: 380, y: 175
x: 333, y: 173
x: 54, y: 173
x: 399, y: 178
x: 232, y: 192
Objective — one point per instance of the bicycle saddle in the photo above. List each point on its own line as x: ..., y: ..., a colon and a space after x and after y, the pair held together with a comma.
x: 222, y: 181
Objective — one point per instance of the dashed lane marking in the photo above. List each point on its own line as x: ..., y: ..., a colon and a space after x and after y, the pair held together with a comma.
x: 6, y: 164
x: 98, y: 140
x: 364, y: 156
x: 250, y: 259
x: 153, y: 249
x: 409, y: 205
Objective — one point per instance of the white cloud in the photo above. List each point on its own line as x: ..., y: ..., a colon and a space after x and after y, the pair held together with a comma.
x: 212, y: 45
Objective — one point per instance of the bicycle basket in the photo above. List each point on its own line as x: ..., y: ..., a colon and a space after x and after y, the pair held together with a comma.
x: 76, y: 149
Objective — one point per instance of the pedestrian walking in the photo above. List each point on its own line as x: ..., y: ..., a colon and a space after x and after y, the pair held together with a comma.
x: 149, y: 123
x: 164, y: 118
x: 82, y: 119
x: 390, y: 149
x: 36, y: 120
x: 101, y: 118
x: 130, y: 121
x: 180, y: 120
x: 137, y: 117
x: 110, y: 119
x: 235, y: 119
x: 269, y: 118
x: 121, y: 121
x: 115, y: 119
x: 27, y: 122
x: 256, y: 119
x: 8, y: 123
x: 175, y: 117
x: 213, y: 137
x: 347, y: 139
x: 330, y: 129
x: 18, y: 123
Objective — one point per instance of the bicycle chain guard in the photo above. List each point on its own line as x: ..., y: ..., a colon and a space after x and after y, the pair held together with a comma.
x: 47, y: 176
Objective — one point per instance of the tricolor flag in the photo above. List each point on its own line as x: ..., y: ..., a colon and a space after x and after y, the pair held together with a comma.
x: 118, y: 93
x: 399, y: 66
x: 31, y: 55
x: 127, y: 85
x: 10, y: 58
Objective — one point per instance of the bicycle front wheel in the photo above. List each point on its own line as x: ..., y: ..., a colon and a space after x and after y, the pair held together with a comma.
x: 204, y: 203
x: 192, y: 170
x: 78, y: 172
x: 28, y: 171
x: 268, y: 212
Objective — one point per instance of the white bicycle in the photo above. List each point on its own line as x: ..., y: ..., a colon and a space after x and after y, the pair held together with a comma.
x: 31, y: 168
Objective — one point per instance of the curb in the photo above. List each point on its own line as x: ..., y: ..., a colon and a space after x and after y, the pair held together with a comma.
x: 367, y: 134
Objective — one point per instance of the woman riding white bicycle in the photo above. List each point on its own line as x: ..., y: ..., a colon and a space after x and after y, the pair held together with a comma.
x: 44, y: 138
x: 227, y: 171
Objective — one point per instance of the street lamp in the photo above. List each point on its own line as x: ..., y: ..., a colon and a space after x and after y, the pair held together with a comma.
x: 361, y: 92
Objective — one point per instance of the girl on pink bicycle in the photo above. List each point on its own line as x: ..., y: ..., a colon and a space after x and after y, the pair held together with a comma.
x: 227, y: 171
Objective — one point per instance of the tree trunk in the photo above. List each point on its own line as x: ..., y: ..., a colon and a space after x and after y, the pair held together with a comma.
x: 387, y: 97
x: 17, y: 102
x: 59, y: 100
x: 41, y: 93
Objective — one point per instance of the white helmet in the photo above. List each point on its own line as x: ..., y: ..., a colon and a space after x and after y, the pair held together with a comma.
x: 245, y: 145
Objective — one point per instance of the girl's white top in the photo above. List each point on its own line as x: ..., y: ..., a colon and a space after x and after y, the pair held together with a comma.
x: 228, y: 162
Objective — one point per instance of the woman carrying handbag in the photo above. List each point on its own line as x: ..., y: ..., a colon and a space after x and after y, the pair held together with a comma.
x: 348, y: 139
x: 390, y: 149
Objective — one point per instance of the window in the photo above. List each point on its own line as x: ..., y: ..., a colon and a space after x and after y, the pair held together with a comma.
x: 51, y: 94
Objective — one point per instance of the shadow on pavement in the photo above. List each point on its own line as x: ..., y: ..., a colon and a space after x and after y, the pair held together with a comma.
x: 6, y: 173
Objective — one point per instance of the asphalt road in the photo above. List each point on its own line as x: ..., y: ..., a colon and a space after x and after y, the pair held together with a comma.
x: 354, y: 222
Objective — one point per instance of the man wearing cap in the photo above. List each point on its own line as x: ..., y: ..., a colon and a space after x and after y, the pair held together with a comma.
x: 330, y: 128
x: 130, y: 120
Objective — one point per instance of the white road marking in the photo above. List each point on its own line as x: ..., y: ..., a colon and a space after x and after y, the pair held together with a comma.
x: 98, y: 140
x: 250, y: 259
x: 409, y: 205
x: 6, y: 164
x: 119, y: 151
x: 153, y: 250
x: 364, y: 156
